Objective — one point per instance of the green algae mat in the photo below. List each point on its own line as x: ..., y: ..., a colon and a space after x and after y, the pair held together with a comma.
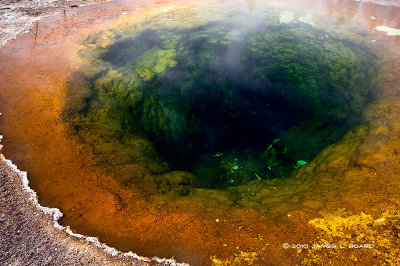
x: 227, y: 101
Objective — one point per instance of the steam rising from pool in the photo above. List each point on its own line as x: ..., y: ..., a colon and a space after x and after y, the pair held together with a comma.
x: 229, y: 101
x: 212, y: 131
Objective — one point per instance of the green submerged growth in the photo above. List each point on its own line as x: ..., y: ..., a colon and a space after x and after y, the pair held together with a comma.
x: 225, y: 103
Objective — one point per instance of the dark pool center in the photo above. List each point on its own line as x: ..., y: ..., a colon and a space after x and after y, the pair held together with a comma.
x: 227, y: 103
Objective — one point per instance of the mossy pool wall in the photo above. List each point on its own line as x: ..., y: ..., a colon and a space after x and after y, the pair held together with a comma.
x: 229, y: 100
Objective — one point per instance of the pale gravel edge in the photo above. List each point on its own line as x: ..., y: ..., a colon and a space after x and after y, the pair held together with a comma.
x: 29, y: 25
x: 57, y: 215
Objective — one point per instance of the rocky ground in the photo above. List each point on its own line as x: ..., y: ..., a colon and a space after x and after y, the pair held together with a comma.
x: 28, y: 235
x: 27, y: 232
x: 18, y: 16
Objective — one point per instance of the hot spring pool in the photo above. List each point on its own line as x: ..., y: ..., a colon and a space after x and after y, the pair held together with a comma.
x: 213, y: 132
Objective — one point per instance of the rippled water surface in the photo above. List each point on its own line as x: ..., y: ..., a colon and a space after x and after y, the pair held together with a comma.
x: 213, y: 131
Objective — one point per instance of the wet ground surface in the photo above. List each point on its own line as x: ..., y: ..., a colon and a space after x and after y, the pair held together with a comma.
x: 19, y: 16
x: 346, y: 195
